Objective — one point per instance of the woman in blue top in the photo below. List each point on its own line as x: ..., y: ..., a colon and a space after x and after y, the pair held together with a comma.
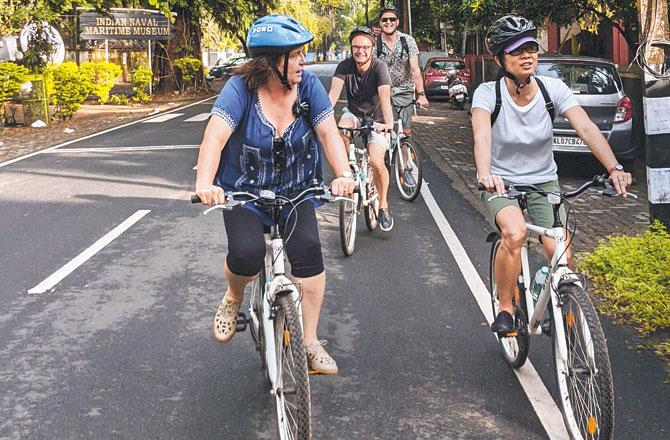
x: 266, y: 132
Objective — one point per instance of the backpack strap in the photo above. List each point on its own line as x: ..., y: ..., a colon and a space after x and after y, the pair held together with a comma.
x: 379, y: 47
x: 547, y: 100
x: 549, y: 105
x: 405, y: 46
x: 496, y: 110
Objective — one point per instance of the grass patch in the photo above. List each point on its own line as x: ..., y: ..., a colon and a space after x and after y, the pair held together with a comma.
x: 632, y: 276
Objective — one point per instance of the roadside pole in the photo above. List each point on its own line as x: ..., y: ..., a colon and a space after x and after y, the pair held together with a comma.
x: 654, y: 58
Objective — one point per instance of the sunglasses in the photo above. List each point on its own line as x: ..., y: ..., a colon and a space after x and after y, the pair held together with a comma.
x: 278, y: 145
x: 528, y: 47
x: 389, y: 19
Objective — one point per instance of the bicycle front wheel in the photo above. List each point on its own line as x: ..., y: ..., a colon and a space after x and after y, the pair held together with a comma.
x: 584, y: 375
x: 408, y: 172
x: 293, y: 395
x: 514, y: 348
x: 348, y: 214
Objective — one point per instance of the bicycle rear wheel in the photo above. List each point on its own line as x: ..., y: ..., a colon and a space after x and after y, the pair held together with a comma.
x: 293, y: 394
x: 407, y: 177
x: 348, y: 214
x: 584, y: 377
x: 514, y: 349
x: 256, y: 304
x: 371, y: 212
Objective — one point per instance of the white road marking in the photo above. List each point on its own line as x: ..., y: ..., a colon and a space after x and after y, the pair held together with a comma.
x: 124, y: 149
x: 538, y: 395
x: 198, y: 118
x: 46, y: 150
x: 163, y: 118
x: 80, y: 259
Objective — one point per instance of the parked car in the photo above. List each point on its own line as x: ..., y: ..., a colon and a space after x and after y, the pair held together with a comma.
x: 437, y: 71
x: 598, y: 88
x: 221, y: 69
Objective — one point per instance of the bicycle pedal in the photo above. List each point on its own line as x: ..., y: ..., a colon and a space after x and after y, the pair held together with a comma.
x: 510, y: 335
x: 242, y: 322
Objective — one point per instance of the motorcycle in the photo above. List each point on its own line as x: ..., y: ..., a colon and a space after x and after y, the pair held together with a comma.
x: 458, y: 91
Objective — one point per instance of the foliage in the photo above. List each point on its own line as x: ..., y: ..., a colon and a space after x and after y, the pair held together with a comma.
x: 71, y: 88
x: 632, y: 273
x: 102, y: 75
x: 140, y: 78
x: 11, y: 77
x: 120, y: 99
x: 36, y: 57
x: 187, y: 70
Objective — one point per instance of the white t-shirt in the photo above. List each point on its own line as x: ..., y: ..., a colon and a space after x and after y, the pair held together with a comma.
x: 522, y: 137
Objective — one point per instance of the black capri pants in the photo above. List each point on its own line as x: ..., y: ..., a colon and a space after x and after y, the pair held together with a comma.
x: 246, y: 243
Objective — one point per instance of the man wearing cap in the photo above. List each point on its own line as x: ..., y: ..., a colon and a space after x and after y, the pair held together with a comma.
x: 368, y: 86
x: 400, y: 52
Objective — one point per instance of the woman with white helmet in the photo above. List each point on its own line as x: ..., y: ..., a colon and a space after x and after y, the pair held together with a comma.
x: 265, y: 132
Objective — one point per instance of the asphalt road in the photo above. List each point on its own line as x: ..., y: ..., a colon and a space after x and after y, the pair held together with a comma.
x: 121, y: 347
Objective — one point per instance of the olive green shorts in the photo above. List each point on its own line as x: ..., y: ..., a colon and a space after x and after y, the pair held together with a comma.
x: 539, y: 210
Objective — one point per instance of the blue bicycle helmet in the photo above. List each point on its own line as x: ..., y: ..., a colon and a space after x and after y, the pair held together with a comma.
x: 276, y: 34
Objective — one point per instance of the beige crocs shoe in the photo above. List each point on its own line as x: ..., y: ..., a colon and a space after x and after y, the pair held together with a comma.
x: 225, y: 321
x: 318, y: 360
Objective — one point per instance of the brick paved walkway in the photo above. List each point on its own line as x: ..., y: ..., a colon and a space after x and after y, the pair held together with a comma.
x: 445, y: 135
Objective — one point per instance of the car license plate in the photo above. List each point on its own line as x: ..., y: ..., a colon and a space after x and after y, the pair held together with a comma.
x: 568, y: 141
x: 444, y: 87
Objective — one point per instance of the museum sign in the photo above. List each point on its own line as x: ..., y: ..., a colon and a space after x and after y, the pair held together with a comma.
x: 124, y: 26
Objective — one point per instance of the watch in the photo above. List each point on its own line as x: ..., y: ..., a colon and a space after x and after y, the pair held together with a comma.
x: 347, y: 174
x: 422, y: 93
x: 615, y: 167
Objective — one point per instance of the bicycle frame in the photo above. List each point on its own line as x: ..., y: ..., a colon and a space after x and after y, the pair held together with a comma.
x: 397, y: 136
x: 358, y: 160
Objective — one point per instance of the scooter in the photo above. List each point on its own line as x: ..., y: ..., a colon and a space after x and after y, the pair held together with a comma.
x: 458, y: 91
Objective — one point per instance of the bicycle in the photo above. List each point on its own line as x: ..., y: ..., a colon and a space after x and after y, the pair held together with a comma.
x: 406, y: 166
x: 275, y: 315
x: 366, y: 197
x: 581, y: 359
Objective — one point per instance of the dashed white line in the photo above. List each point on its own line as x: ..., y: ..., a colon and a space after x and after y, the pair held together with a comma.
x: 538, y: 395
x: 163, y: 118
x: 198, y: 118
x: 80, y: 259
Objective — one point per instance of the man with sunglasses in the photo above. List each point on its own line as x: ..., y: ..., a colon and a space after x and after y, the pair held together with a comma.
x: 400, y: 52
x: 368, y: 86
x: 512, y: 123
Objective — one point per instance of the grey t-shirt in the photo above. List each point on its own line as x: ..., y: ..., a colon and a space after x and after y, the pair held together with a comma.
x: 522, y: 137
x: 362, y: 94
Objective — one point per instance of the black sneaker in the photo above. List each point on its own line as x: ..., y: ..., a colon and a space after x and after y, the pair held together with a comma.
x: 503, y: 324
x: 385, y: 220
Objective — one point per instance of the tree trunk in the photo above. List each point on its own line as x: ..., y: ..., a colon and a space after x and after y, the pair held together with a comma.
x: 185, y: 42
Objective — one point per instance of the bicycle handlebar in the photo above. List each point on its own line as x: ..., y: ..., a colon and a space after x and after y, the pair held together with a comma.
x: 269, y: 198
x: 518, y: 191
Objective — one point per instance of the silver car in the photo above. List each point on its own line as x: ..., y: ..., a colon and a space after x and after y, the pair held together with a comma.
x: 597, y: 87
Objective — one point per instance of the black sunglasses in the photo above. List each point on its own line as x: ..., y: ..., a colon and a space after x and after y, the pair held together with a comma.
x: 391, y: 19
x: 278, y: 145
x: 528, y: 47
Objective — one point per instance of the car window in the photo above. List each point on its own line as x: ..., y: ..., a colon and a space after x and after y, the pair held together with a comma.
x: 583, y: 79
x: 447, y: 65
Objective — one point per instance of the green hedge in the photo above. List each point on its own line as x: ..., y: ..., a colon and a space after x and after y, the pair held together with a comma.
x: 11, y: 77
x: 71, y: 87
x: 102, y: 77
x: 632, y: 275
x: 187, y: 70
x: 140, y: 78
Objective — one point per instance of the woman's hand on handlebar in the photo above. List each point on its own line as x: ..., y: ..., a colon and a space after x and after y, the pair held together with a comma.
x: 211, y: 195
x: 492, y: 183
x: 342, y: 186
x: 620, y: 181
